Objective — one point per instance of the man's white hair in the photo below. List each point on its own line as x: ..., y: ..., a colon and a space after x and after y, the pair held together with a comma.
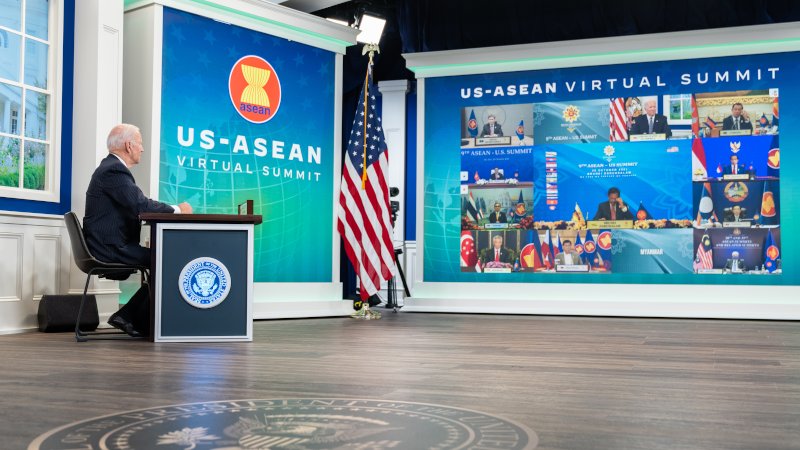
x: 650, y: 101
x: 121, y: 134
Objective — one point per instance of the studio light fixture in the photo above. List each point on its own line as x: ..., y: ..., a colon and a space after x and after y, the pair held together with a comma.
x: 371, y: 29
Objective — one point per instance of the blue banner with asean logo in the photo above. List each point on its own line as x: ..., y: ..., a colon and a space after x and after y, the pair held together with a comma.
x: 250, y: 116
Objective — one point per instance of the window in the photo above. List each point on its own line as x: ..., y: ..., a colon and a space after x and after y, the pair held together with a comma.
x: 27, y: 88
x: 678, y: 109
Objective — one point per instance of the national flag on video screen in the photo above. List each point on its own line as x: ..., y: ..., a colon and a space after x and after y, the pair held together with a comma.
x: 643, y: 214
x: 771, y: 253
x: 578, y: 248
x: 364, y: 220
x: 589, y: 248
x: 552, y: 201
x: 704, y: 259
x: 550, y: 154
x: 604, y: 249
x: 710, y: 122
x: 695, y: 119
x: 705, y: 210
x: 769, y: 208
x: 774, y: 159
x: 521, y: 129
x: 469, y: 256
x: 519, y: 211
x: 618, y: 129
x: 473, y: 125
x: 577, y: 216
x: 531, y: 254
x: 699, y: 159
x: 775, y: 112
x: 558, y: 243
x: 550, y: 159
x: 473, y: 212
x: 763, y: 121
x: 547, y: 251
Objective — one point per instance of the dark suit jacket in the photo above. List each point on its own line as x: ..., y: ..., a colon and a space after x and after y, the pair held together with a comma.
x: 728, y: 170
x: 727, y: 124
x: 503, y: 255
x: 111, y: 224
x: 498, y: 130
x: 497, y: 176
x: 493, y: 217
x: 641, y: 125
x: 729, y: 264
x: 604, y: 211
x: 729, y: 217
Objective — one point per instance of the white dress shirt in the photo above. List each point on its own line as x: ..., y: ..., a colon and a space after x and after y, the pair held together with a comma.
x: 175, y: 207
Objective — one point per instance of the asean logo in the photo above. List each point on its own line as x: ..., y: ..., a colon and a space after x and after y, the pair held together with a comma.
x: 774, y: 159
x: 473, y: 124
x: 772, y: 252
x: 571, y: 114
x: 520, y: 130
x: 736, y: 192
x: 579, y: 249
x: 641, y: 215
x: 255, y: 89
x: 604, y: 240
x: 589, y: 247
x: 204, y: 282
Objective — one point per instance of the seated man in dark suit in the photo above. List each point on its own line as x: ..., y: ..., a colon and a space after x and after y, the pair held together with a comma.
x: 734, y: 168
x: 492, y: 129
x: 738, y: 120
x: 497, y: 253
x: 111, y: 224
x: 735, y: 264
x: 736, y: 215
x: 497, y: 175
x: 650, y: 122
x: 497, y: 216
x: 614, y: 208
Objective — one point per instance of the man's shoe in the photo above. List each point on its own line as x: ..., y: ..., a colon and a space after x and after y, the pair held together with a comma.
x: 123, y: 325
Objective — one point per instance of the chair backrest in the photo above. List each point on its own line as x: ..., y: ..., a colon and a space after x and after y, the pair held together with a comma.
x: 80, y: 251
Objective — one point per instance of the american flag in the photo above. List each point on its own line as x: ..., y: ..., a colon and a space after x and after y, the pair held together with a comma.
x: 704, y: 256
x: 364, y: 213
x: 618, y: 123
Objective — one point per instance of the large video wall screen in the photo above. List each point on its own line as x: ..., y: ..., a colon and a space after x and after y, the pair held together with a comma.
x: 666, y: 172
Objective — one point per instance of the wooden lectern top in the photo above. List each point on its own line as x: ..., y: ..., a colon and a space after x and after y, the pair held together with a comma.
x: 201, y: 218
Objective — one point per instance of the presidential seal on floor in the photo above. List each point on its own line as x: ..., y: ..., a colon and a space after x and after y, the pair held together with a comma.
x: 293, y: 424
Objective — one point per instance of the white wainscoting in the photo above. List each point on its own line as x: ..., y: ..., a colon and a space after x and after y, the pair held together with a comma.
x: 34, y: 261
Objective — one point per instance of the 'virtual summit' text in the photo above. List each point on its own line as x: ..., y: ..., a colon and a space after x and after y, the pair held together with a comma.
x: 241, y: 147
x: 614, y: 83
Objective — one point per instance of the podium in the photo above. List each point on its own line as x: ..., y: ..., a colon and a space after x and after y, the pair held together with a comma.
x: 201, y: 287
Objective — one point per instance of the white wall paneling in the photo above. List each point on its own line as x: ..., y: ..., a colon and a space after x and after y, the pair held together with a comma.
x: 47, y: 264
x: 11, y: 266
x: 35, y: 262
x: 97, y: 107
x: 393, y: 120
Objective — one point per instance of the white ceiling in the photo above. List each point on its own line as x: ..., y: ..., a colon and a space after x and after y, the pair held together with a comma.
x: 308, y: 6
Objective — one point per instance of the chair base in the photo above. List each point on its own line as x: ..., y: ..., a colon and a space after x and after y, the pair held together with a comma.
x: 82, y: 336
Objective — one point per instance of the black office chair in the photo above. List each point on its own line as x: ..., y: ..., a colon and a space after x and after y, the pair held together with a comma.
x: 93, y: 266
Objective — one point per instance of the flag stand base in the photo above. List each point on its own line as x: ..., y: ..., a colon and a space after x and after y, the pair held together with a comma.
x: 365, y: 313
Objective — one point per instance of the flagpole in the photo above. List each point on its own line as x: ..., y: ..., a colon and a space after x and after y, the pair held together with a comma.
x: 364, y: 155
x: 365, y: 312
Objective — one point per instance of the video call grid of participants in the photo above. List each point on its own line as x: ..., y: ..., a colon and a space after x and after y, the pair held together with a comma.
x: 504, y: 186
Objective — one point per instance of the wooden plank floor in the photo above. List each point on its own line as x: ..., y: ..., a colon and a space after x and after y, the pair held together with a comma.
x: 580, y: 383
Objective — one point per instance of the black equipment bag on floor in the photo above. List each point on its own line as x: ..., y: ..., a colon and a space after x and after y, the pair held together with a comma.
x: 58, y: 313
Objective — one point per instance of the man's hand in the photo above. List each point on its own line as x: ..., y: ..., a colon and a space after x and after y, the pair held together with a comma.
x: 744, y: 114
x: 619, y: 201
x: 186, y: 208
